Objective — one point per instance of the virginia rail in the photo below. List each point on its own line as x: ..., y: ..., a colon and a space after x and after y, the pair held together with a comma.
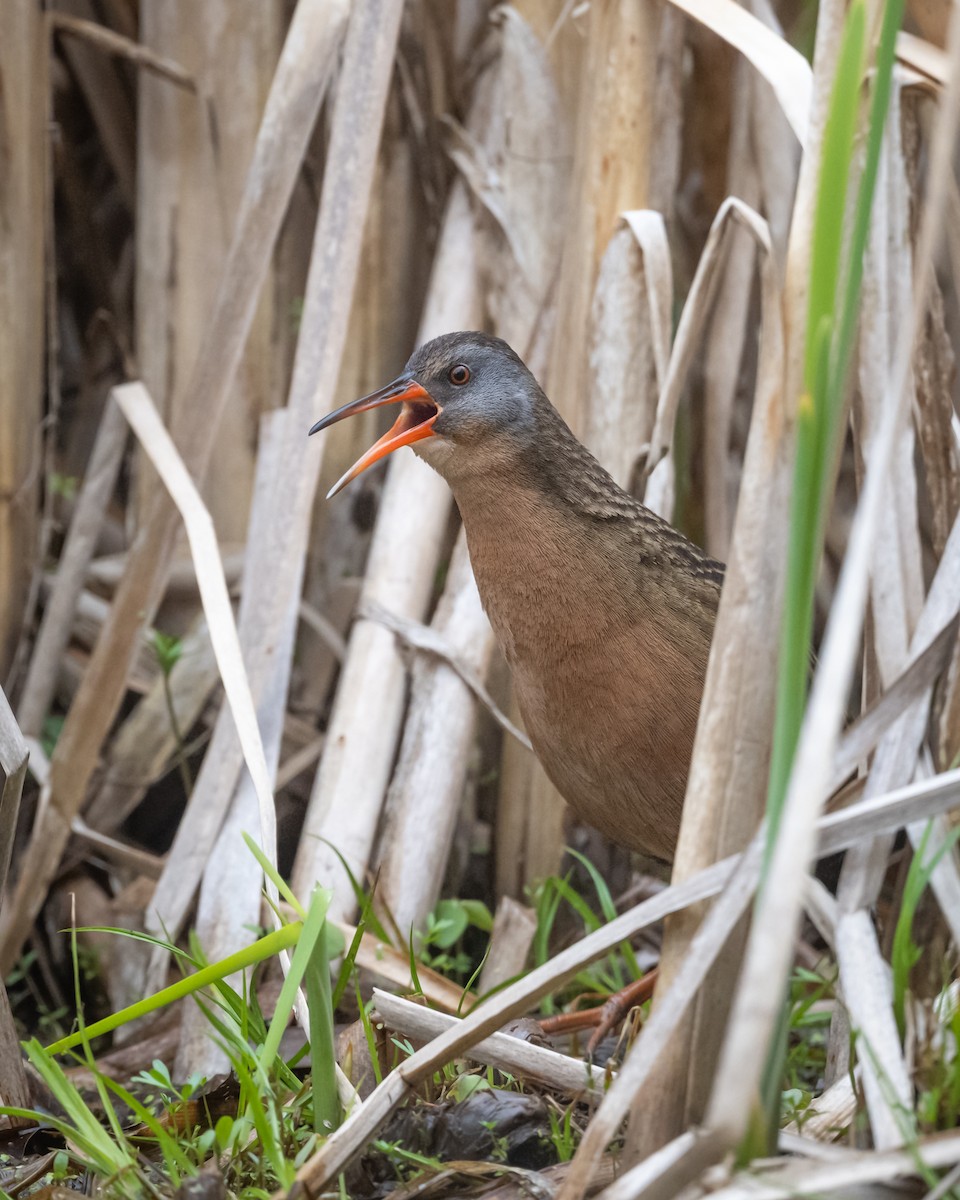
x: 603, y: 611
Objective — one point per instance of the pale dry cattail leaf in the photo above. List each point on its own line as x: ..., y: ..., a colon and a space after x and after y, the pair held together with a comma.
x: 727, y: 333
x: 629, y: 342
x: 611, y: 165
x: 223, y: 761
x: 222, y: 927
x: 659, y: 491
x: 382, y: 327
x: 520, y: 171
x: 867, y: 1171
x: 896, y: 572
x: 896, y: 595
x: 137, y: 407
x: 776, y: 151
x: 135, y: 403
x: 783, y: 67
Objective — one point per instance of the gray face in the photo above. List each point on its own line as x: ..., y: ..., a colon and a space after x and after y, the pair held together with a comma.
x: 485, y: 393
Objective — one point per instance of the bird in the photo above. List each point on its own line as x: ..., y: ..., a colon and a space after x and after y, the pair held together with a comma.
x: 603, y: 611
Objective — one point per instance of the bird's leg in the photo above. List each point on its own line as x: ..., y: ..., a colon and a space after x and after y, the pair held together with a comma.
x: 606, y: 1016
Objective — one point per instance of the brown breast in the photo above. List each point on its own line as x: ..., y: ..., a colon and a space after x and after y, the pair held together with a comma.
x: 608, y: 644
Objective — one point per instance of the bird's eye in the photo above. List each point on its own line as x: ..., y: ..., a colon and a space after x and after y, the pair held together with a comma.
x: 459, y: 374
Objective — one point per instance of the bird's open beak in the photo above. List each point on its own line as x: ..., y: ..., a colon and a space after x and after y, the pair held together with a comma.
x: 415, y: 422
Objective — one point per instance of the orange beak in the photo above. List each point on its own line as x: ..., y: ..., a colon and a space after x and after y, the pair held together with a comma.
x: 415, y: 422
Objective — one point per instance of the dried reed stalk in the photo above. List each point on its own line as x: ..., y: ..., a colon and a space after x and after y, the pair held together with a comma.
x: 382, y: 328
x: 500, y: 1050
x: 291, y: 109
x: 895, y: 599
x: 22, y: 205
x: 784, y: 68
x: 194, y: 153
x: 427, y: 785
x: 629, y: 342
x: 726, y: 790
x: 229, y: 904
x: 727, y: 334
x: 863, y: 1173
x: 78, y: 549
x: 361, y: 736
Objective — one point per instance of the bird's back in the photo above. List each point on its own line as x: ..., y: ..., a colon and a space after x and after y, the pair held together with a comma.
x: 605, y: 614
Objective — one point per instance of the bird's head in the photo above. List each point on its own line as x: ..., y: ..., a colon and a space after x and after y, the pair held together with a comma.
x: 467, y: 401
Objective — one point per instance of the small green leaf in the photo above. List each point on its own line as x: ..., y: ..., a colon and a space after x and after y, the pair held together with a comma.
x: 167, y: 649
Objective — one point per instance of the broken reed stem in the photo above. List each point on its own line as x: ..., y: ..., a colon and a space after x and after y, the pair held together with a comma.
x: 116, y: 44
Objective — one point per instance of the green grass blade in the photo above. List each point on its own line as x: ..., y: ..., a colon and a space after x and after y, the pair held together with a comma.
x: 265, y: 947
x: 327, y: 1112
x: 905, y: 954
x: 607, y: 907
x: 271, y: 872
x: 311, y: 930
x: 837, y: 154
x: 349, y: 961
